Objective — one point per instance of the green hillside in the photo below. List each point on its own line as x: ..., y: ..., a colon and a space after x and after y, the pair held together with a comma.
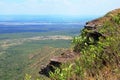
x: 99, y: 49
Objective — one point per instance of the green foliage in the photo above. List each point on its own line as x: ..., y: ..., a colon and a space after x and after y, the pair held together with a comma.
x: 62, y: 74
x: 28, y: 77
x: 79, y: 42
x: 116, y: 18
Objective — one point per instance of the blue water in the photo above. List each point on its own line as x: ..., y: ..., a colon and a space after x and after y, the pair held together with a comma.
x: 39, y: 27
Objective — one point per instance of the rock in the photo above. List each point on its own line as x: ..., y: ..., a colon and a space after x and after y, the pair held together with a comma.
x: 56, y: 61
x: 90, y: 26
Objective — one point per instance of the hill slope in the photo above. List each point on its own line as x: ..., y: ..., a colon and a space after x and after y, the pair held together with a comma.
x: 99, y: 49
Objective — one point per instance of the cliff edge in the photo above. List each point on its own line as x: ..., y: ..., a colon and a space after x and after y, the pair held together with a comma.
x: 96, y: 52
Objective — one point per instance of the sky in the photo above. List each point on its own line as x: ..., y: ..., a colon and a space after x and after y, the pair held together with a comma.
x: 57, y: 7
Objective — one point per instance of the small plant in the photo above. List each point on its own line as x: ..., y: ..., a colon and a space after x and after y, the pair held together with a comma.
x: 27, y: 77
x: 62, y: 74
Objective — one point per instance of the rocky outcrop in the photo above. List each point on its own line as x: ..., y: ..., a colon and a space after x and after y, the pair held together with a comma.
x: 50, y: 68
x: 56, y: 61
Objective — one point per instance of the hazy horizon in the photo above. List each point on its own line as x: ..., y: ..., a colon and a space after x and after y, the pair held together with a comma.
x: 46, y: 18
